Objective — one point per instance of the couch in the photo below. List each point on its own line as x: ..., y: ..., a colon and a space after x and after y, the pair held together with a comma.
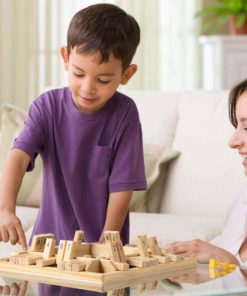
x: 193, y: 176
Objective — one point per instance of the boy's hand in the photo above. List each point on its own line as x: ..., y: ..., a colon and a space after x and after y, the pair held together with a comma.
x: 11, y: 229
x: 14, y: 289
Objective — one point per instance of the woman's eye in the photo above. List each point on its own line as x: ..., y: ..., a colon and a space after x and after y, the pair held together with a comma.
x: 78, y: 75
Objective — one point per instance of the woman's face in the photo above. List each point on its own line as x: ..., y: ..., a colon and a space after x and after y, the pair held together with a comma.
x: 239, y: 138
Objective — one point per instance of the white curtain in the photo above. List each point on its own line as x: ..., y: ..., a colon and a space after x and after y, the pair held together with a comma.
x: 179, y: 49
x: 32, y: 31
x: 16, y: 38
x: 169, y: 53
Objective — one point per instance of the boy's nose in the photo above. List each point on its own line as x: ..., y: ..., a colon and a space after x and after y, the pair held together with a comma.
x: 88, y: 87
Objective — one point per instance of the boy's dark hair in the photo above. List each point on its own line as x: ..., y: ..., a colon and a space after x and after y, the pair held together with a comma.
x: 105, y: 28
x: 235, y: 93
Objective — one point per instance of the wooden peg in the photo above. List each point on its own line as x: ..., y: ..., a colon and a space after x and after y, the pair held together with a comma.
x: 93, y: 265
x: 121, y: 251
x: 61, y: 265
x: 112, y: 293
x: 99, y: 250
x: 74, y: 265
x: 114, y: 246
x: 118, y: 292
x: 31, y: 259
x: 70, y: 251
x: 162, y: 259
x: 122, y: 266
x: 115, y: 237
x: 107, y: 236
x: 18, y: 253
x: 68, y: 265
x: 121, y: 292
x: 137, y: 262
x: 113, y: 251
x: 46, y: 262
x: 38, y: 242
x: 61, y: 251
x: 78, y: 266
x: 142, y: 245
x: 141, y: 287
x: 49, y: 250
x: 151, y: 285
x: 107, y: 265
x: 79, y: 236
x: 153, y: 246
x: 175, y: 258
x: 82, y: 249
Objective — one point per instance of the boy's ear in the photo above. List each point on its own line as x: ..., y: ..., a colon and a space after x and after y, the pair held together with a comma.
x: 64, y: 55
x: 128, y: 73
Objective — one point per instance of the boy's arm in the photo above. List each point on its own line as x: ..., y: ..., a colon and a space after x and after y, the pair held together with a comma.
x: 10, y: 182
x: 117, y: 210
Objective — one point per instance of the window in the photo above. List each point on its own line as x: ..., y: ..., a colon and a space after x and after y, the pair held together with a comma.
x: 33, y: 31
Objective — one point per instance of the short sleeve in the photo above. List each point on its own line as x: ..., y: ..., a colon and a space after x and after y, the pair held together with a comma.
x: 128, y: 162
x: 31, y: 137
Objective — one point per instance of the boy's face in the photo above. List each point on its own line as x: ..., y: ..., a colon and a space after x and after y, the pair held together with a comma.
x: 92, y: 83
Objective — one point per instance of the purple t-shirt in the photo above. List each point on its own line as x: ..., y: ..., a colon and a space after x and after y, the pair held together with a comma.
x: 85, y: 157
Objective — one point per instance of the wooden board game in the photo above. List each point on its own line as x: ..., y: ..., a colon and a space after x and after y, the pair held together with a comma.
x: 93, y: 266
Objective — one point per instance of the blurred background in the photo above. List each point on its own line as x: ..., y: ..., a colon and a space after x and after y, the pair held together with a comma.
x: 170, y: 56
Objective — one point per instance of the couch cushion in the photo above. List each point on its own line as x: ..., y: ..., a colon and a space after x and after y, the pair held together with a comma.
x: 11, y: 124
x: 156, y: 162
x: 27, y: 215
x: 158, y: 115
x: 169, y: 228
x: 208, y: 174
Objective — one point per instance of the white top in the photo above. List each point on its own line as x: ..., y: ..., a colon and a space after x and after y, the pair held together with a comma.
x: 235, y: 229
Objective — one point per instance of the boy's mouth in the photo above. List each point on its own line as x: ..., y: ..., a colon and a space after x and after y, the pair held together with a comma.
x: 88, y: 100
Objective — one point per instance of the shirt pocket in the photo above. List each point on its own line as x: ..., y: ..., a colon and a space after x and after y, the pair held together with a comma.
x: 100, y: 163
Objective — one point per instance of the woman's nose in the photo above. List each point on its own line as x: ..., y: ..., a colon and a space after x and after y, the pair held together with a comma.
x: 235, y: 141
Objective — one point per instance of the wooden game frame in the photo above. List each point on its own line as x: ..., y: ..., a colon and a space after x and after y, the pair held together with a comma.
x: 93, y: 266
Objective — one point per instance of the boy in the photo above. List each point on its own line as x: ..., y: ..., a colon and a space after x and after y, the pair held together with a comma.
x: 88, y: 135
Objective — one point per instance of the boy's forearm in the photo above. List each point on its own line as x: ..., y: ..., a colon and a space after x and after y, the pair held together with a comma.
x: 11, y: 178
x: 117, y: 210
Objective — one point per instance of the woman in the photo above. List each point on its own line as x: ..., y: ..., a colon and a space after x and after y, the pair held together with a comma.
x: 231, y: 245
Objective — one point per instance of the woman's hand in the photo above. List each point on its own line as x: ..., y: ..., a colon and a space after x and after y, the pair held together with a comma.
x: 202, y: 251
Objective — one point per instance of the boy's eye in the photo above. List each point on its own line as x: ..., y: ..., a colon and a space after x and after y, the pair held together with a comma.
x: 104, y: 81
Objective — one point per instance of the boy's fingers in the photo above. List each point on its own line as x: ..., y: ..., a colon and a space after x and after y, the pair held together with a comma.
x: 22, y: 238
x: 6, y: 290
x: 14, y: 289
x: 13, y: 236
x: 5, y: 235
x: 23, y: 288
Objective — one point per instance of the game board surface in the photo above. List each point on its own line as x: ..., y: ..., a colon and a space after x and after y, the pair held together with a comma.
x: 93, y: 266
